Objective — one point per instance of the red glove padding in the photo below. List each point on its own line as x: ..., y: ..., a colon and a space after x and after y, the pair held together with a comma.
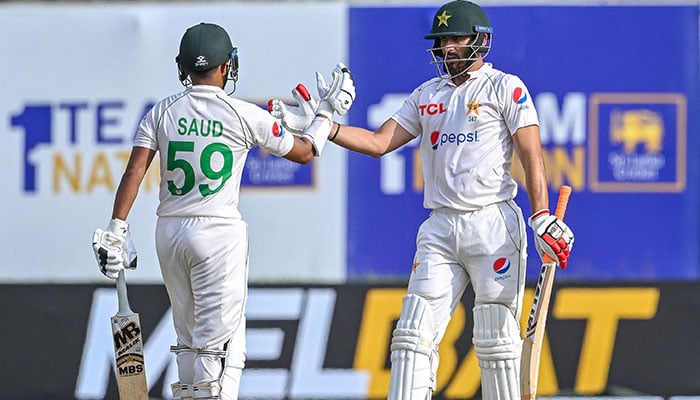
x: 295, y: 118
x: 552, y: 237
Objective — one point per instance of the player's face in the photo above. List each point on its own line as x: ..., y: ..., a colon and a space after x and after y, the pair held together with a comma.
x: 457, y: 53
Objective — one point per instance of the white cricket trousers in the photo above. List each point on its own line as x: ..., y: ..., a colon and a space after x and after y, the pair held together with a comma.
x: 487, y: 248
x: 204, y: 263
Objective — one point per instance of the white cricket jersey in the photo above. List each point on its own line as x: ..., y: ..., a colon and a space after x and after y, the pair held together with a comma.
x: 203, y: 137
x: 467, y: 146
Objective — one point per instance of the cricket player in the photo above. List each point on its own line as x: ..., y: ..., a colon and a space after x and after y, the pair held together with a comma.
x: 203, y: 136
x: 470, y: 119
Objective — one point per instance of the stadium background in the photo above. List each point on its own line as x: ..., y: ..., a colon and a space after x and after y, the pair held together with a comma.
x: 616, y: 86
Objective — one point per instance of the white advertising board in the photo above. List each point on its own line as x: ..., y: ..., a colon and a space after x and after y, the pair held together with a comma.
x: 76, y: 79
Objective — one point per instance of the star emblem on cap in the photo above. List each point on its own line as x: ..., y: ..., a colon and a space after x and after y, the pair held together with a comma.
x: 442, y: 18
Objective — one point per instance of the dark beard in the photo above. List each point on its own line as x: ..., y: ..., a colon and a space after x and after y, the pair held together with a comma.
x: 454, y: 68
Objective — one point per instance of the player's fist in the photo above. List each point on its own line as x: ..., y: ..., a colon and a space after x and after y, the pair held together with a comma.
x: 114, y: 249
x: 552, y: 237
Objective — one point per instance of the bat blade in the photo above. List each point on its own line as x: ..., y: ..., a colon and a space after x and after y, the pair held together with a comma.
x: 128, y: 348
x: 534, y: 332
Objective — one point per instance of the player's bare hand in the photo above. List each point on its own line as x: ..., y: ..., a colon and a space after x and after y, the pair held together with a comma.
x: 552, y: 237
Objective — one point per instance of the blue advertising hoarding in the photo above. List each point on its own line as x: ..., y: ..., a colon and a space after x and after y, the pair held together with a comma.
x: 614, y: 87
x: 263, y: 169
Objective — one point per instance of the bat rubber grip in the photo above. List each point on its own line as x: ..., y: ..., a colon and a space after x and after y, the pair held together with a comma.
x: 563, y: 201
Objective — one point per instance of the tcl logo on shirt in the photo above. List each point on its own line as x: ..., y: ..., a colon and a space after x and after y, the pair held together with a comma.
x: 432, y: 109
x: 438, y: 139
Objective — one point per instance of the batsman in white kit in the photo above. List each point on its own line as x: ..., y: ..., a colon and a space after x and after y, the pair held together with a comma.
x: 203, y: 136
x: 470, y: 119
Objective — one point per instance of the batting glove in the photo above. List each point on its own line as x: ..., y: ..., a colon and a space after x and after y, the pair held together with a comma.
x: 340, y: 95
x: 552, y: 237
x: 114, y: 249
x: 295, y: 118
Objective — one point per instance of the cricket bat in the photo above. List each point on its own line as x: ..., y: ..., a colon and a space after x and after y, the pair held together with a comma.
x: 128, y: 348
x: 534, y: 332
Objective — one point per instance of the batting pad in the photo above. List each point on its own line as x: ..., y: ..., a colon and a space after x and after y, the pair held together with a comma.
x: 412, y: 348
x: 498, y: 345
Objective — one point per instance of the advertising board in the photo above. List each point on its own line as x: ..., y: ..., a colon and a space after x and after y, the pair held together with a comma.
x: 332, y: 341
x: 614, y: 87
x: 71, y: 105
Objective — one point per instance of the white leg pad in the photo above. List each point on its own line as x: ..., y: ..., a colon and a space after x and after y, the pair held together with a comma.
x: 413, y: 352
x: 181, y: 391
x: 208, y: 390
x: 185, y: 363
x: 225, y: 366
x: 497, y: 344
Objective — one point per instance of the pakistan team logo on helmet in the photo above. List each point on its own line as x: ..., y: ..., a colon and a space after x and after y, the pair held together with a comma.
x: 459, y: 18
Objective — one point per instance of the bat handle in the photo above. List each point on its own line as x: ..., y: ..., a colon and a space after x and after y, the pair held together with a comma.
x: 564, y: 194
x: 124, y: 308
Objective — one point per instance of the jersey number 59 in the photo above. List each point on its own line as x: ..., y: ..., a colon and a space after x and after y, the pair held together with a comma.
x: 205, y: 164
